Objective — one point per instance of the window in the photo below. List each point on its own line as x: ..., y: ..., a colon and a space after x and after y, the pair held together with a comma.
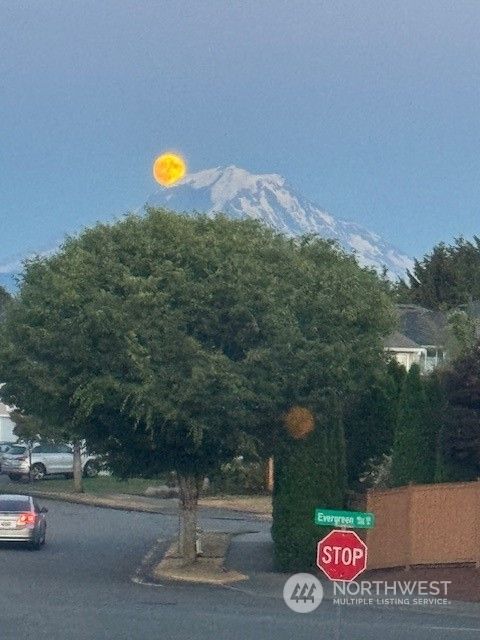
x: 16, y: 451
x: 47, y: 448
x: 15, y: 504
x: 63, y: 448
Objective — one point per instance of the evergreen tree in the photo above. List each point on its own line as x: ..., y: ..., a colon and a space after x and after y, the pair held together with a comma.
x: 447, y: 277
x: 462, y: 330
x: 4, y: 299
x: 461, y: 431
x: 414, y: 446
x: 309, y: 473
x: 397, y: 373
x: 437, y: 411
x: 444, y: 472
x: 371, y: 419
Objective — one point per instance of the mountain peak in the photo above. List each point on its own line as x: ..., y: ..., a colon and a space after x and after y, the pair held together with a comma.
x: 267, y: 197
x: 228, y: 182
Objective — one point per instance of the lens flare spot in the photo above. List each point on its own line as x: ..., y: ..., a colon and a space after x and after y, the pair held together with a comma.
x: 299, y: 422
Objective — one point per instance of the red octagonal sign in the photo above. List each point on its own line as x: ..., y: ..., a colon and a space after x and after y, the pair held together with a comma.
x: 342, y: 555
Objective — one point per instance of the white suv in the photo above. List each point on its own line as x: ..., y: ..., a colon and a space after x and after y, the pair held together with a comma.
x: 46, y: 459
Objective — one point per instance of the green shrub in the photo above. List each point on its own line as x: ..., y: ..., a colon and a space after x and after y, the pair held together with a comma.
x: 414, y: 446
x: 238, y: 477
x: 309, y: 473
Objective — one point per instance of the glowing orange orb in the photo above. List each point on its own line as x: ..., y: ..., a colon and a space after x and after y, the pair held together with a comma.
x: 299, y: 422
x: 168, y: 169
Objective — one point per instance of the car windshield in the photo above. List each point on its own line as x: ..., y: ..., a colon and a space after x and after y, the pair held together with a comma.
x: 17, y: 450
x: 14, y: 505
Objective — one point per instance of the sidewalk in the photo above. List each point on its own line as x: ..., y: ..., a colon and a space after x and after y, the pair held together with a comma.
x: 252, y: 555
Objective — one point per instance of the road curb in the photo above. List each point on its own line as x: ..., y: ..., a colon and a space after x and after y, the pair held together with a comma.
x: 160, y: 565
x: 144, y: 572
x: 209, y: 567
x: 92, y: 500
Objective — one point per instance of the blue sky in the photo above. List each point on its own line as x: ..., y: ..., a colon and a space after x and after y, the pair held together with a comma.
x: 371, y: 109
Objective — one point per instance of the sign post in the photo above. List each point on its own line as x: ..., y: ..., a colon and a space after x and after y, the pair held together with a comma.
x: 341, y: 554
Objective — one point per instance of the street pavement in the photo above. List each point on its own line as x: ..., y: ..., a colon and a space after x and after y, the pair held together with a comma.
x: 79, y: 587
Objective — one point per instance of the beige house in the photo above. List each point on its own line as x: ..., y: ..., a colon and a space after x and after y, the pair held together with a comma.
x: 420, y: 337
x: 406, y: 351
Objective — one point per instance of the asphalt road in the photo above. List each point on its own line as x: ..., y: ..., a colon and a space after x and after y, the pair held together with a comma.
x: 79, y: 587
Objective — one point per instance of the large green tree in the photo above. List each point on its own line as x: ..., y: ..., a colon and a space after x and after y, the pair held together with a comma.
x: 164, y: 339
x: 446, y: 277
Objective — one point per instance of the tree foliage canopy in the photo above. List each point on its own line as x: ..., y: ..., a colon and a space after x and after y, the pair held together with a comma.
x: 414, y: 445
x: 461, y: 431
x: 4, y: 299
x: 371, y: 419
x: 447, y: 277
x: 165, y: 340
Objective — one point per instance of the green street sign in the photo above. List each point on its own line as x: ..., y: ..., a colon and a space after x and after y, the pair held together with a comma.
x: 348, y: 519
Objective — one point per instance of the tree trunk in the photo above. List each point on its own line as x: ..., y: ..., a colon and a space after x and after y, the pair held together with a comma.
x: 30, y: 444
x: 269, y: 475
x: 189, y: 487
x: 77, y: 467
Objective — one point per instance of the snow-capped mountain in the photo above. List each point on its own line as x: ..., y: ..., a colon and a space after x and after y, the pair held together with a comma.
x: 267, y: 197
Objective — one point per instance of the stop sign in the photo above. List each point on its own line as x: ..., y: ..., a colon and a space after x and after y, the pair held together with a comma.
x: 342, y: 555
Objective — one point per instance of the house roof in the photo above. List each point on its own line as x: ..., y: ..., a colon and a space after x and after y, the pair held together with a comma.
x: 397, y: 340
x: 423, y: 326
